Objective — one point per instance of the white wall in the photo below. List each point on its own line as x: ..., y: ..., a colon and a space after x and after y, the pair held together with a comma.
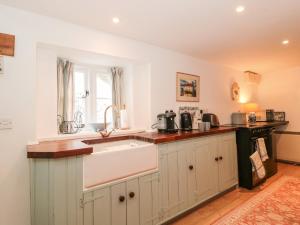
x: 18, y: 91
x: 280, y: 91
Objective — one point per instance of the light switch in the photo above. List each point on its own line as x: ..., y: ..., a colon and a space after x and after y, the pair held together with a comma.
x: 6, y: 124
x: 1, y: 65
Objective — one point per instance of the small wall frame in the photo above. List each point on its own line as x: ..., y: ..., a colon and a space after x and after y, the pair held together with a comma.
x: 7, y: 44
x: 187, y: 87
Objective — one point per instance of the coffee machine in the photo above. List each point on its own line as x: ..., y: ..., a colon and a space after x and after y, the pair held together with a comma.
x: 166, y: 122
x: 186, y: 121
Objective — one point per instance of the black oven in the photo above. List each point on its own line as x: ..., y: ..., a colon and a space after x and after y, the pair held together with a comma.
x: 246, y: 144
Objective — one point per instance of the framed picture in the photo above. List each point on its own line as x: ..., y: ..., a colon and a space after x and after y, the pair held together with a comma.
x: 187, y: 87
x: 279, y: 116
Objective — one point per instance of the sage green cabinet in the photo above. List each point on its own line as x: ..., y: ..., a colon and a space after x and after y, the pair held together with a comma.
x: 173, y: 182
x: 195, y: 170
x: 118, y: 204
x: 149, y: 199
x: 132, y: 202
x: 227, y: 163
x: 204, y: 152
x: 56, y: 191
x: 190, y: 172
x: 97, y: 207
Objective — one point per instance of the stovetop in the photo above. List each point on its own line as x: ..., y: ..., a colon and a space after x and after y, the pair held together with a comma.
x: 262, y: 124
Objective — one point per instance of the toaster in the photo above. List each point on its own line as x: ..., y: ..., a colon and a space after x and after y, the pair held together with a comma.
x: 238, y: 118
x: 211, y: 118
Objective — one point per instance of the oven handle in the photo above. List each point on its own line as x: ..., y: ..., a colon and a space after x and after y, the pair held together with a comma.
x: 255, y: 138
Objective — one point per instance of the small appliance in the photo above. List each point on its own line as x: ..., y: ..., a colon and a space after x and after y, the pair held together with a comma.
x: 170, y: 122
x: 212, y: 119
x: 166, y: 122
x: 270, y: 115
x: 186, y: 121
x: 238, y: 118
x: 161, y: 123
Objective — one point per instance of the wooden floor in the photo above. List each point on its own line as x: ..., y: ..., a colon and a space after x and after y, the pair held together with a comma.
x: 217, y: 208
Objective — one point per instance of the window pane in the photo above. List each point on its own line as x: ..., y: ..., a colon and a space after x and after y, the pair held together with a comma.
x: 79, y: 94
x: 103, y: 96
x: 104, y: 86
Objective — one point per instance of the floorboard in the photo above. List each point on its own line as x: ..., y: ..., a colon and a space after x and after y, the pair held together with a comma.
x: 217, y: 208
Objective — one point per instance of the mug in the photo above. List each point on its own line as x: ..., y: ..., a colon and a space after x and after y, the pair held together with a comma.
x: 201, y: 126
x: 207, y: 125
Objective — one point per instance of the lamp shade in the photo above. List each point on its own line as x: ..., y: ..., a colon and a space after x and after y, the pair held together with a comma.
x: 250, y: 107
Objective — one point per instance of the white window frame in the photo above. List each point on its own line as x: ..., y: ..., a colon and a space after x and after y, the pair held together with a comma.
x: 91, y: 75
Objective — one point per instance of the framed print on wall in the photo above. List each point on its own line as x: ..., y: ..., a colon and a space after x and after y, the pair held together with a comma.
x: 187, y: 87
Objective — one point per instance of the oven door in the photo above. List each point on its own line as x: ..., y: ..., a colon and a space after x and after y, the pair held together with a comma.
x: 270, y: 164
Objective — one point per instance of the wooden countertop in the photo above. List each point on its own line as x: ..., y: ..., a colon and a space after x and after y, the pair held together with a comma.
x: 66, y: 148
x: 58, y: 149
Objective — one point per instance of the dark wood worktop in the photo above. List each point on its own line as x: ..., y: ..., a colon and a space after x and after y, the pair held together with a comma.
x: 58, y: 149
x: 66, y: 148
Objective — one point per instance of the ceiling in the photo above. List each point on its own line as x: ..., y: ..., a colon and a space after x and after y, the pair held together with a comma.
x: 211, y: 30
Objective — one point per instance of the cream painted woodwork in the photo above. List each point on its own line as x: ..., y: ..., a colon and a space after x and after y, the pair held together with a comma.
x: 190, y: 172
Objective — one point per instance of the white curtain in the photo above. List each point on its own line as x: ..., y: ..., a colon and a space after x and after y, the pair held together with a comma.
x: 64, y: 91
x: 117, y: 101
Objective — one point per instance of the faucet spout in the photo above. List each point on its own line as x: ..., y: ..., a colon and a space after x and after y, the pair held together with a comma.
x: 105, y: 132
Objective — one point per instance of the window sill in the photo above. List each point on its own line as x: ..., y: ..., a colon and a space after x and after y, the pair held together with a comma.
x: 88, y: 134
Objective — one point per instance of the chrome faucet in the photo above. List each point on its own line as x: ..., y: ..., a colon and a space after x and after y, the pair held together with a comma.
x: 105, y: 132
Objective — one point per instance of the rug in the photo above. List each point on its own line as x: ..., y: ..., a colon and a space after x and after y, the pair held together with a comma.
x: 279, y: 204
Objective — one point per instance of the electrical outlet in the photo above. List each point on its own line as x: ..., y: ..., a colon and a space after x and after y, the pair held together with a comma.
x: 1, y: 65
x: 6, y: 124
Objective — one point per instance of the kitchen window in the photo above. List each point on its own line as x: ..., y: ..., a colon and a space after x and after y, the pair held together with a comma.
x: 92, y: 93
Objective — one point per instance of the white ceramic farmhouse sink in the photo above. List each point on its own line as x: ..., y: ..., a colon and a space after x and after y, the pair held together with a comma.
x: 114, y: 160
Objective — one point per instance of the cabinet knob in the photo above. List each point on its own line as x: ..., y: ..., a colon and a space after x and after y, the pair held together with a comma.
x: 191, y: 167
x: 221, y: 157
x: 216, y: 159
x: 121, y: 198
x: 131, y: 194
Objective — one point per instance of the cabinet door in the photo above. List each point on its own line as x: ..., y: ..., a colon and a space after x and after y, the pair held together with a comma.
x: 173, y: 184
x: 97, y: 207
x: 149, y: 202
x: 191, y: 177
x: 133, y: 202
x: 183, y: 171
x: 227, y: 152
x: 169, y: 180
x: 204, y: 153
x: 118, y: 204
